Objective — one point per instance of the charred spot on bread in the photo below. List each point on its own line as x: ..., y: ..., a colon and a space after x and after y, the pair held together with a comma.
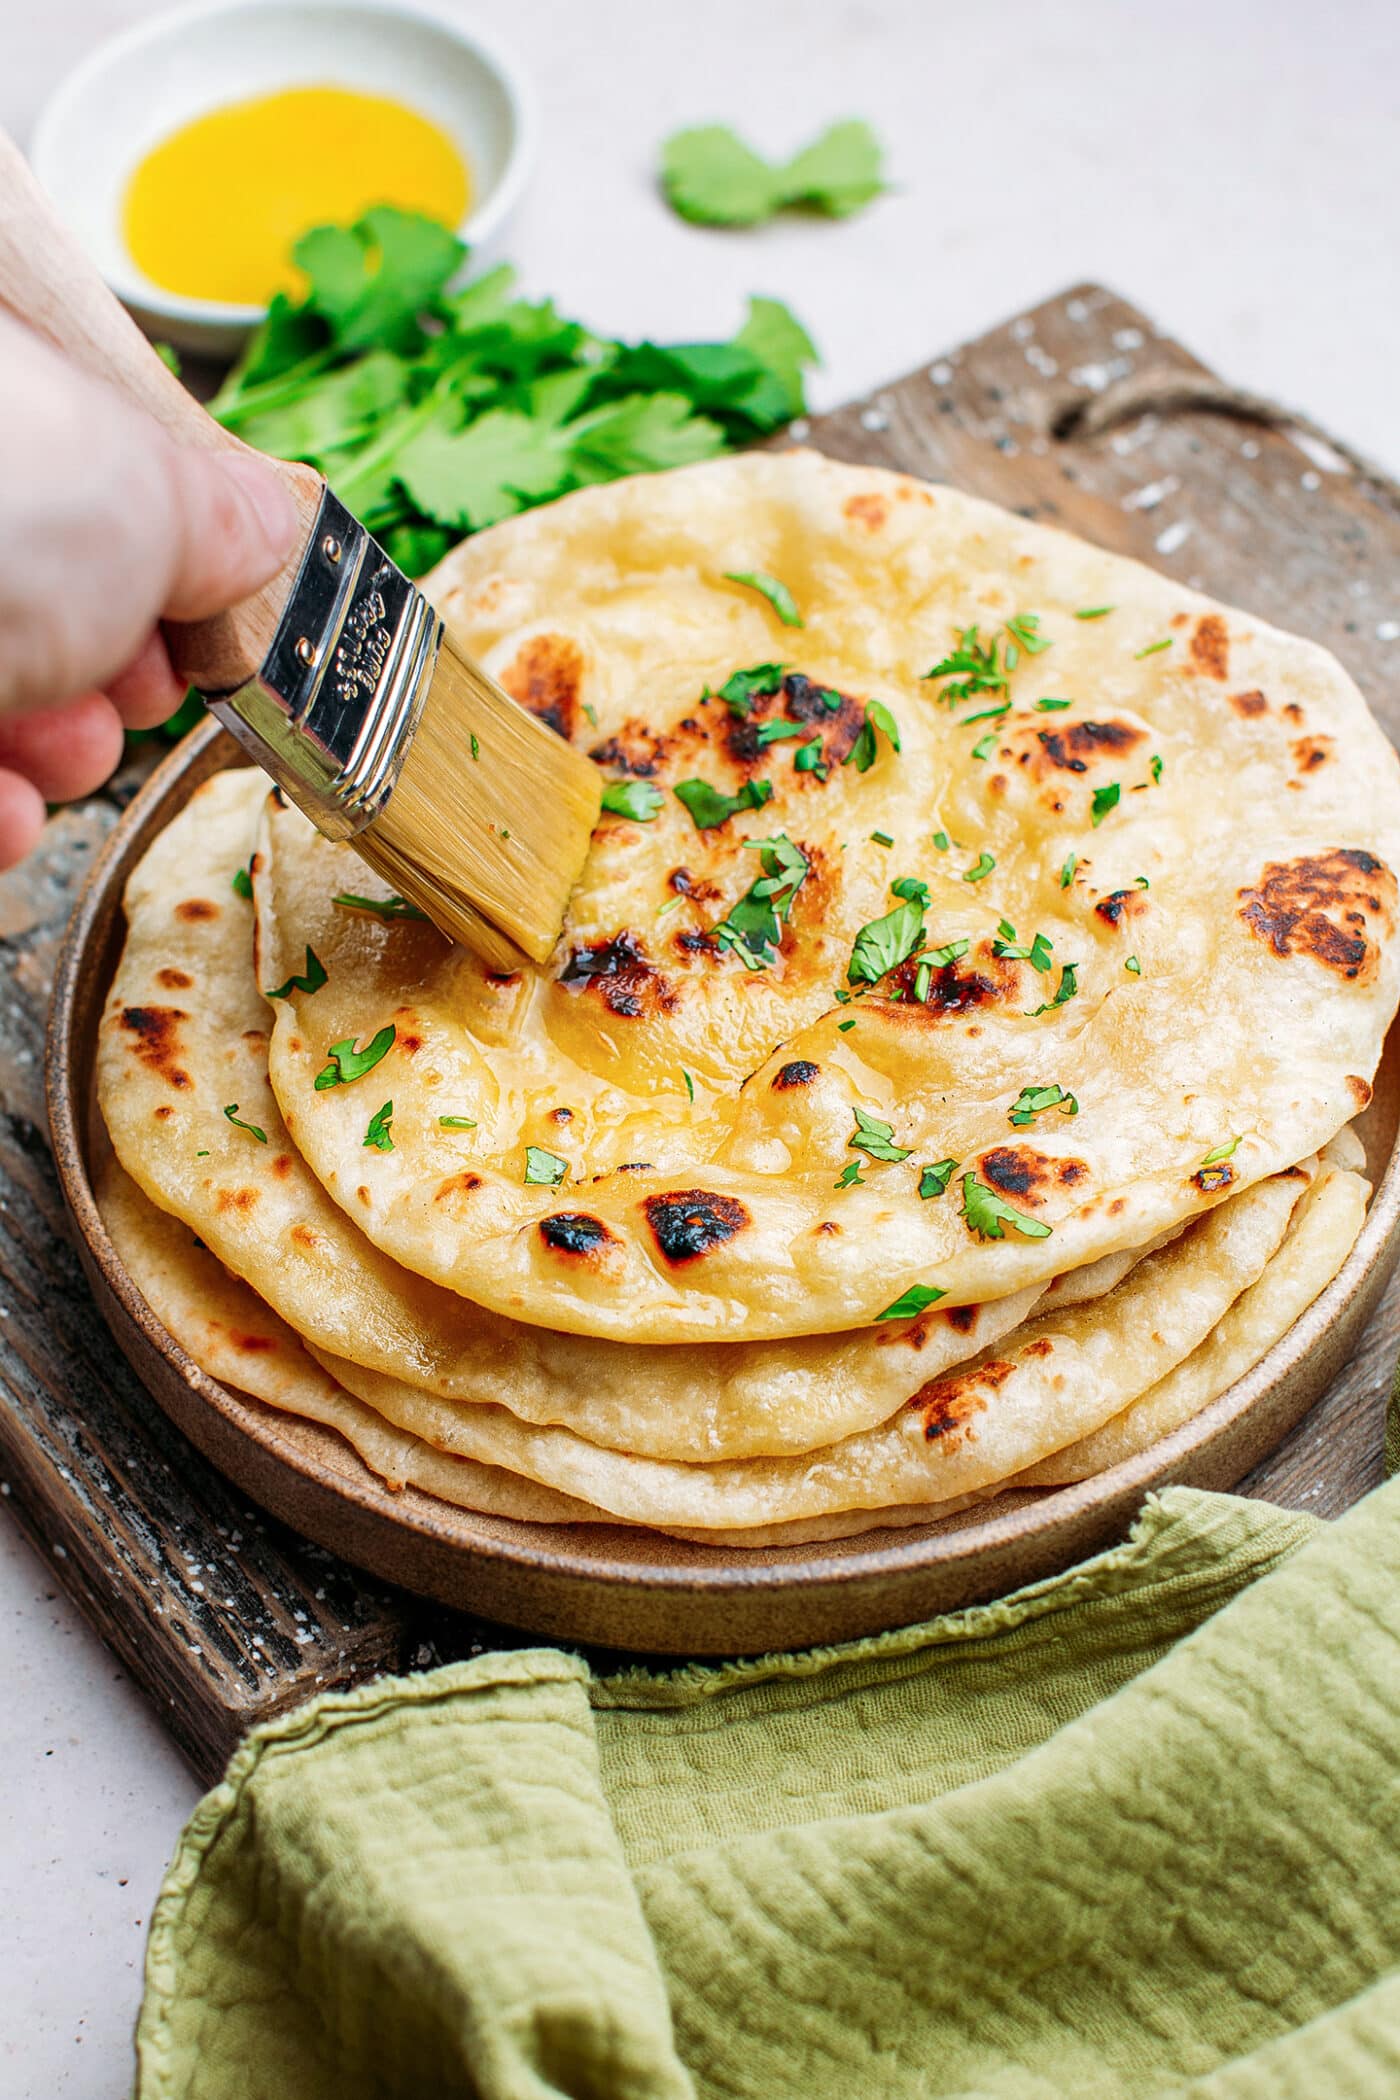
x: 1019, y: 1170
x: 800, y: 1072
x: 193, y: 910
x: 690, y: 1222
x: 1212, y: 1179
x: 545, y: 677
x: 622, y: 974
x: 1247, y: 704
x: 1210, y: 646
x: 157, y: 1033
x: 1121, y: 904
x: 575, y: 1232
x: 1296, y: 906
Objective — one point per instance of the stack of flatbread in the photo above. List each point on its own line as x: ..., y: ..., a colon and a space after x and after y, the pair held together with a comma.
x: 942, y: 1080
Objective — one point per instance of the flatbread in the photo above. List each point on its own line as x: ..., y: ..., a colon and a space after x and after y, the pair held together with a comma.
x: 225, y: 1328
x: 1321, y: 1236
x: 1046, y: 1386
x: 184, y: 1037
x: 1216, y: 805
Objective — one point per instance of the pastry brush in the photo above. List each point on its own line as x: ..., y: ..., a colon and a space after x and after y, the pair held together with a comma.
x: 338, y: 677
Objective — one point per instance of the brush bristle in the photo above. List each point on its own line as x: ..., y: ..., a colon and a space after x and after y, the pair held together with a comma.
x: 489, y: 823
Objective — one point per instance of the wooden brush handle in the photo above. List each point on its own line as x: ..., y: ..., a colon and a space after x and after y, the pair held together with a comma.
x: 47, y: 282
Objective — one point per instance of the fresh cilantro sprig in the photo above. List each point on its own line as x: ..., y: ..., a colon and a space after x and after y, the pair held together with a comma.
x: 876, y: 1138
x: 348, y: 1064
x: 379, y: 1136
x: 637, y: 799
x: 311, y: 979
x: 753, y: 927
x: 712, y: 178
x: 862, y: 752
x: 742, y: 688
x: 882, y: 945
x: 710, y: 807
x: 933, y: 1181
x: 1033, y: 1101
x: 1006, y: 944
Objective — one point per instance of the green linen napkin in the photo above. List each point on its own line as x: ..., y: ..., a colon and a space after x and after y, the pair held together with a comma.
x: 1135, y: 1830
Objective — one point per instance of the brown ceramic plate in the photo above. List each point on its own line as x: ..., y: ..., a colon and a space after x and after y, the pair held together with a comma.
x: 636, y: 1589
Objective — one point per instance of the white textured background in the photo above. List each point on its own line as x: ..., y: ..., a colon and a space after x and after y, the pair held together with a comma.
x: 1231, y: 165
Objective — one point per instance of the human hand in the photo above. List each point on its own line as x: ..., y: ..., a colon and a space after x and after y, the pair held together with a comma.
x: 106, y: 527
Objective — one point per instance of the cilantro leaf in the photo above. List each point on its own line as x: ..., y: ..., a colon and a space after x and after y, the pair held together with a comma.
x: 811, y: 759
x: 380, y: 907
x: 1066, y: 989
x: 1105, y: 799
x: 952, y: 952
x: 379, y: 1133
x: 638, y: 799
x: 753, y: 927
x: 884, y: 943
x: 311, y: 980
x: 850, y: 1177
x: 457, y: 1122
x: 863, y: 751
x: 974, y: 667
x: 779, y: 341
x: 775, y: 732
x: 910, y: 887
x: 347, y: 1063
x: 981, y: 867
x: 242, y: 885
x: 712, y: 178
x: 933, y: 1181
x: 741, y: 688
x: 710, y: 806
x: 988, y: 1214
x: 1034, y: 1100
x: 1221, y: 1152
x: 544, y: 1169
x: 918, y: 1298
x: 252, y: 1129
x: 773, y: 589
x: 876, y: 1138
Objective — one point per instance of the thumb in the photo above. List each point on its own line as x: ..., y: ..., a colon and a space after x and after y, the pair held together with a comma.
x: 238, y: 525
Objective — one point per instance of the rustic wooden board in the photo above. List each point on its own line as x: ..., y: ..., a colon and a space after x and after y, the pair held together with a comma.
x: 223, y: 1615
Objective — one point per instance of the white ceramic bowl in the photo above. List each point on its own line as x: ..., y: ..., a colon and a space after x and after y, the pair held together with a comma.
x: 135, y: 90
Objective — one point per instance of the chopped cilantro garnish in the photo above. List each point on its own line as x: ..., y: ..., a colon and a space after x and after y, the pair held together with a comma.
x: 923, y: 978
x: 1050, y: 707
x: 252, y: 1129
x: 862, y: 752
x: 689, y: 1082
x: 942, y: 841
x: 918, y: 1298
x: 476, y: 740
x: 985, y: 746
x: 638, y: 799
x: 774, y: 732
x: 986, y: 714
x: 884, y: 943
x: 741, y: 688
x: 457, y: 1122
x: 347, y: 1063
x: 544, y: 1169
x: 850, y: 1174
x: 1067, y: 871
x: 940, y: 958
x: 1154, y: 767
x: 710, y: 806
x: 1092, y: 612
x: 811, y: 758
x: 1133, y: 966
x: 910, y: 887
x: 1105, y: 799
x: 713, y: 178
x: 831, y: 700
x: 1034, y: 1100
x: 753, y: 928
x: 771, y: 588
x: 1142, y: 882
x: 379, y: 1135
x: 875, y: 1137
x: 973, y: 666
x: 934, y: 1180
x: 881, y: 838
x: 988, y: 1215
x: 1152, y: 648
x: 381, y: 907
x: 243, y: 885
x: 589, y: 710
x: 1065, y: 990
x: 1212, y: 1158
x: 1025, y: 629
x: 311, y: 979
x: 1007, y: 945
x: 983, y: 867
x: 844, y: 1027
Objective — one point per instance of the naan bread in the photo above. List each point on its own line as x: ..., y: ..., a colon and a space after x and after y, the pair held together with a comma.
x: 225, y: 1328
x: 184, y: 1037
x: 1321, y: 1236
x: 1044, y: 1387
x: 1215, y: 804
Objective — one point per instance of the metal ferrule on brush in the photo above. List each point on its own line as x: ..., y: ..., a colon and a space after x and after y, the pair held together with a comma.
x: 335, y: 702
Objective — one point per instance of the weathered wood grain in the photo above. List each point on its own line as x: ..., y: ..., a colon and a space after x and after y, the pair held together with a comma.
x: 222, y: 1615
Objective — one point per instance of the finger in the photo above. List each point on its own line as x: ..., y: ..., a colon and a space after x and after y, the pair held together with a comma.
x: 21, y: 818
x: 147, y: 691
x: 66, y: 751
x: 240, y: 526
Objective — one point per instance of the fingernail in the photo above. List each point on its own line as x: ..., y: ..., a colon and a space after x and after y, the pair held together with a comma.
x: 269, y: 497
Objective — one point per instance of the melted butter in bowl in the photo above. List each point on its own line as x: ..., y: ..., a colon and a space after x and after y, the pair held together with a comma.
x: 213, y: 210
